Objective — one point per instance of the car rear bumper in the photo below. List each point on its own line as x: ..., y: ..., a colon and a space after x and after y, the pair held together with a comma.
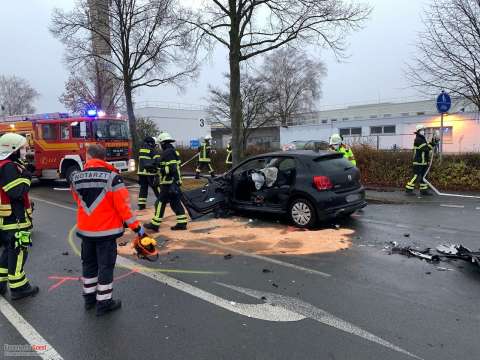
x: 339, y: 204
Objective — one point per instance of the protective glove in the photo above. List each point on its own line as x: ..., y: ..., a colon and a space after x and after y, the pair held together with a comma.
x: 140, y: 231
x: 23, y: 239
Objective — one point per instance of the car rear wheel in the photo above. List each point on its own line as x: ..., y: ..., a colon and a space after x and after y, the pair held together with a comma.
x: 302, y: 213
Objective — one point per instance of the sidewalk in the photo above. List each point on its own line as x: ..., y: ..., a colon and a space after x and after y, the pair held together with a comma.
x: 397, y: 196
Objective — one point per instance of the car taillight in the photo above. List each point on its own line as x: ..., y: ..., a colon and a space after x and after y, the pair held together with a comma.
x: 322, y: 183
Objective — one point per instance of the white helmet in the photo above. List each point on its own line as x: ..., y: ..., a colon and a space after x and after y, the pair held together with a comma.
x: 335, y: 139
x: 9, y: 143
x: 419, y: 127
x: 208, y: 137
x: 165, y: 137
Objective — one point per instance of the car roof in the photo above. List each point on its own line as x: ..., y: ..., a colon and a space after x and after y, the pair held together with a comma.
x: 300, y: 153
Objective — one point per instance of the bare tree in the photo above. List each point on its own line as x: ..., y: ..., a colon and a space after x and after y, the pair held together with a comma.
x: 86, y: 87
x: 252, y: 27
x: 294, y: 79
x: 255, y: 98
x: 448, y: 50
x: 17, y: 96
x: 148, y: 44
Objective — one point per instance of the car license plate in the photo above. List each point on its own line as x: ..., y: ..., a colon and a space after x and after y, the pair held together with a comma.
x: 353, y: 197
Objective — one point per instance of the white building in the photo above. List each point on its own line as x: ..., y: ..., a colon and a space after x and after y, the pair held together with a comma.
x: 389, y: 125
x: 186, y: 123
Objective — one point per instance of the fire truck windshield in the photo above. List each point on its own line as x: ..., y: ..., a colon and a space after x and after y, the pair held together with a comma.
x: 111, y: 129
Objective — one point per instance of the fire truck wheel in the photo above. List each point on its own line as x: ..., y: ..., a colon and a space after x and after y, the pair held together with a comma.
x: 70, y: 170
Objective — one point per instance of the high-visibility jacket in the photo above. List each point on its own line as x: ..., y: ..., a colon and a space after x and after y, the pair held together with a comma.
x: 146, y: 161
x: 15, y: 208
x: 103, y: 202
x: 169, y: 165
x: 421, y: 150
x: 228, y: 160
x: 348, y: 154
x: 205, y: 150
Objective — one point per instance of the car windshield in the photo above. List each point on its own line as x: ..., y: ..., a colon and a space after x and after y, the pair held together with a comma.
x: 111, y: 129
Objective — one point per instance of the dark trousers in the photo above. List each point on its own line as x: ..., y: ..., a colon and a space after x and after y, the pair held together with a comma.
x: 146, y: 181
x: 419, y: 172
x: 12, y: 262
x: 169, y: 194
x: 98, y: 263
x: 204, y: 165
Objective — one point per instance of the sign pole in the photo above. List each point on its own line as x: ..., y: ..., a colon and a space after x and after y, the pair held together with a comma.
x: 441, y: 136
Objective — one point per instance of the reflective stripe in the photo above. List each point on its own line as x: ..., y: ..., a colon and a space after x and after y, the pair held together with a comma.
x: 145, y: 151
x: 104, y: 287
x: 89, y: 290
x: 156, y: 221
x: 118, y: 187
x: 142, y: 201
x: 3, y: 271
x: 18, y: 269
x: 104, y: 297
x: 100, y: 233
x: 87, y: 281
x: 131, y: 220
x: 16, y: 226
x: 90, y: 185
x: 16, y: 276
x: 16, y: 182
x: 3, y: 279
x: 145, y: 157
x: 19, y: 284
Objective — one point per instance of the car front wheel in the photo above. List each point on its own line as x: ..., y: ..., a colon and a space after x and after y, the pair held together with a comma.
x: 302, y: 213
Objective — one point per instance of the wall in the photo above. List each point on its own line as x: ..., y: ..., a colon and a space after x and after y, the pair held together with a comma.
x: 183, y: 124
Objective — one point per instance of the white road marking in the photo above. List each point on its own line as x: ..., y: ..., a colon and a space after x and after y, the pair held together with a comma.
x: 244, y: 253
x: 264, y: 258
x: 54, y: 203
x: 314, y: 313
x: 452, y: 206
x: 405, y: 226
x: 28, y: 332
x: 478, y: 208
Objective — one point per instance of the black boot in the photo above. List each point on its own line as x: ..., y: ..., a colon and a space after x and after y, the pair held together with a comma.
x: 104, y: 307
x: 141, y: 207
x: 212, y: 174
x: 425, y: 193
x: 25, y: 292
x: 90, y: 301
x: 179, y: 227
x: 151, y: 226
x: 3, y: 288
x: 409, y: 192
x: 197, y: 175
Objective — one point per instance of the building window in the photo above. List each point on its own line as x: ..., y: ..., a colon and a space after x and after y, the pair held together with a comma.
x: 383, y: 130
x: 447, y: 133
x: 387, y: 115
x: 345, y: 119
x: 421, y: 113
x: 324, y: 121
x: 356, y: 131
x: 334, y: 120
x: 373, y: 116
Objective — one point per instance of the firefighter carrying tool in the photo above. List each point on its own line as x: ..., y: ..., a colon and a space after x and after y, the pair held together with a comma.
x: 103, y: 209
x: 170, y: 182
x: 147, y: 171
x: 336, y: 143
x: 205, y: 159
x: 15, y: 218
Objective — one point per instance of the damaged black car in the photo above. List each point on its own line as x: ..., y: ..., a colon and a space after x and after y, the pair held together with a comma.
x: 306, y: 186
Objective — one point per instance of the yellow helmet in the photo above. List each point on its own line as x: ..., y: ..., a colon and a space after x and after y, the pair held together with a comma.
x: 9, y: 143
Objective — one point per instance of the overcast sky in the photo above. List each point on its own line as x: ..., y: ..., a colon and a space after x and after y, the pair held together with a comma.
x: 373, y: 72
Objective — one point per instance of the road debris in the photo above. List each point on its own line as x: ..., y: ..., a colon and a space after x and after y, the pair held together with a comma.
x: 407, y: 235
x: 65, y: 253
x: 228, y: 256
x: 274, y: 285
x: 266, y: 271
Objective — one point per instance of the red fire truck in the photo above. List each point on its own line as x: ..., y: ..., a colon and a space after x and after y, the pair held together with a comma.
x: 57, y: 142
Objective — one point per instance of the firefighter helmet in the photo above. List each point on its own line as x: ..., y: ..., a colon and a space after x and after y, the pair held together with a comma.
x: 9, y: 143
x: 149, y: 140
x: 146, y: 248
x: 208, y: 137
x: 165, y: 137
x: 335, y: 139
x: 419, y: 127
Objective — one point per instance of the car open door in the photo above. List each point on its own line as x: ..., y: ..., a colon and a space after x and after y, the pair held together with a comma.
x: 213, y: 197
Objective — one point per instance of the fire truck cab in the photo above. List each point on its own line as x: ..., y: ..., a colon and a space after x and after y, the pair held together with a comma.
x: 57, y: 142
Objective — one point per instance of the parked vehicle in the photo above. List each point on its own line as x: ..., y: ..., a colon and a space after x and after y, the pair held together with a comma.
x: 307, y: 186
x: 306, y: 145
x: 57, y: 142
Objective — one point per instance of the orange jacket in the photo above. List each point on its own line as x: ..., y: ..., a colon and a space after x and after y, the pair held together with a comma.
x: 103, y: 202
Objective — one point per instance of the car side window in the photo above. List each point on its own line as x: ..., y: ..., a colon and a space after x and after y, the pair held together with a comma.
x: 255, y: 164
x: 49, y: 131
x: 287, y: 164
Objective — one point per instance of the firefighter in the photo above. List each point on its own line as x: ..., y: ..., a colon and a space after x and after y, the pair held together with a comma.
x: 228, y: 160
x: 15, y: 218
x: 421, y: 158
x: 147, y: 171
x: 204, y: 157
x: 103, y: 208
x: 336, y: 144
x: 170, y: 182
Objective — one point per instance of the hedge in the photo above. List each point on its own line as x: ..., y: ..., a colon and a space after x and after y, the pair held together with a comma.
x: 390, y: 169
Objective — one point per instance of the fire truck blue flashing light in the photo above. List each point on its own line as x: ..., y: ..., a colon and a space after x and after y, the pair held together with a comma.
x: 92, y: 112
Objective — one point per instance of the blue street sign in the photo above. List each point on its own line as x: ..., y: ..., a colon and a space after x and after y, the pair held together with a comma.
x: 444, y: 102
x: 194, y: 143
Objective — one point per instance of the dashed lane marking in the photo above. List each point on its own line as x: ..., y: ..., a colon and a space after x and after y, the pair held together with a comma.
x: 244, y: 253
x: 28, y: 332
x: 452, y: 206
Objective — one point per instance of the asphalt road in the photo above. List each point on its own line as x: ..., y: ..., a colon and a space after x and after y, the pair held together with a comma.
x: 358, y: 303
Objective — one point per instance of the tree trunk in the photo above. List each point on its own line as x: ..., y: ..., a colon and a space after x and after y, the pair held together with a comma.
x: 131, y: 117
x: 235, y: 96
